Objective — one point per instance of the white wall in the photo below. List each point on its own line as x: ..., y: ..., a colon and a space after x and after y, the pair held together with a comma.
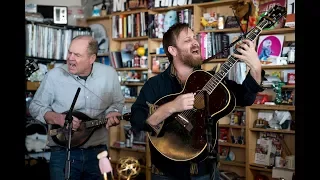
x: 56, y: 2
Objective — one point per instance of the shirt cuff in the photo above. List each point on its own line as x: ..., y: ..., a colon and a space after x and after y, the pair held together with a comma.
x: 156, y: 129
x: 40, y: 117
x: 252, y: 83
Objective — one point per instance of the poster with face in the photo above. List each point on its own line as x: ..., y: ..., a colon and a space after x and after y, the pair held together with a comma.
x: 270, y: 48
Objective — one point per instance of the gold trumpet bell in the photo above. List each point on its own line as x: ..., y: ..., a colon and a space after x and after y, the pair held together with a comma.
x: 128, y: 168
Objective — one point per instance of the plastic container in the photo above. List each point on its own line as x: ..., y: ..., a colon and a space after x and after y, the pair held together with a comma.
x: 74, y: 13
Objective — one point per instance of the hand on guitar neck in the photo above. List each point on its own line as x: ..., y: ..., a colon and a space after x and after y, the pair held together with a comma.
x: 112, y: 119
x: 249, y: 56
x: 59, y: 119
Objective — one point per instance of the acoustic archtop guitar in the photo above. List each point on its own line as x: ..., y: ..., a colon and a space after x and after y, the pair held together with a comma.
x: 84, y: 132
x: 183, y: 135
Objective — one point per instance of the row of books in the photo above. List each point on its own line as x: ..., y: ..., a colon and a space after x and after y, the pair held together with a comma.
x: 159, y: 23
x: 151, y: 25
x: 129, y: 25
x: 50, y: 42
x: 212, y: 43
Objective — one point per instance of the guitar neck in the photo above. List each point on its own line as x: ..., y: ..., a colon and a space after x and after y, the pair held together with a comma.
x: 98, y: 122
x: 226, y: 66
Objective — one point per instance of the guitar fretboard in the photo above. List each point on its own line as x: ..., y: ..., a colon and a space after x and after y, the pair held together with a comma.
x: 226, y: 66
x: 98, y: 122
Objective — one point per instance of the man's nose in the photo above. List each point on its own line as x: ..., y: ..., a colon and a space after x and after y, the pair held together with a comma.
x: 196, y: 43
x: 71, y: 56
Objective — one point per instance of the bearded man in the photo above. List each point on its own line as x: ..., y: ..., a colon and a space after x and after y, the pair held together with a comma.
x: 183, y: 52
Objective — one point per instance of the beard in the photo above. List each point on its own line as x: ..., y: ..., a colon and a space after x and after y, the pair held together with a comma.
x: 190, y: 59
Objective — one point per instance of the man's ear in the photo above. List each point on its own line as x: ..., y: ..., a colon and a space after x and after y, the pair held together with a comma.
x: 93, y: 58
x: 172, y: 50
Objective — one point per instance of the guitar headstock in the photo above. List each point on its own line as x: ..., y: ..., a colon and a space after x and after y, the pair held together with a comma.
x: 31, y: 66
x: 273, y: 15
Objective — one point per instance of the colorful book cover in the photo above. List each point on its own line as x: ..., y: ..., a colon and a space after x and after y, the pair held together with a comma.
x: 270, y: 48
x: 266, y: 5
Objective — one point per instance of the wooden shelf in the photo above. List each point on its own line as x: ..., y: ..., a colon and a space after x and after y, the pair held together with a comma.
x: 226, y: 30
x: 131, y: 38
x: 289, y: 66
x: 288, y: 86
x: 156, y: 39
x: 103, y: 54
x: 165, y: 9
x: 231, y: 145
x: 233, y: 163
x: 272, y: 130
x: 216, y: 3
x: 32, y: 86
x: 272, y: 107
x: 96, y: 18
x: 127, y: 149
x: 231, y: 126
x: 259, y: 167
x: 132, y: 69
x: 159, y: 55
x: 278, y: 31
x: 130, y: 11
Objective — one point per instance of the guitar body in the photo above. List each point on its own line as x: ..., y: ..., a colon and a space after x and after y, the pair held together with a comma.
x: 78, y: 137
x: 174, y: 140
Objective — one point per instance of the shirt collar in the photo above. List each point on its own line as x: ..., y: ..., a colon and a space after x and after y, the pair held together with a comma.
x: 77, y: 76
x: 173, y: 73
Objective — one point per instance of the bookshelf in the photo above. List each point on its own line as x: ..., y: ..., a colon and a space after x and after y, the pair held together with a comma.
x: 244, y: 153
x: 42, y: 48
x: 253, y: 134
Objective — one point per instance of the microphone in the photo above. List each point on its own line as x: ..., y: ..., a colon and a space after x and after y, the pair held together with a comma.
x: 68, y: 118
x: 105, y: 165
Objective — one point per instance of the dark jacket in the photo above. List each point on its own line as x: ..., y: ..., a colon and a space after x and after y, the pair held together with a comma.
x: 163, y: 84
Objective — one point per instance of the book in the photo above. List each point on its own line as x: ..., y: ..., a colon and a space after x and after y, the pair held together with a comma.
x: 269, y: 48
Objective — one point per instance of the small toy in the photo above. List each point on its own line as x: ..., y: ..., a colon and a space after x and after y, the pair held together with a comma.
x: 209, y: 20
x: 246, y: 12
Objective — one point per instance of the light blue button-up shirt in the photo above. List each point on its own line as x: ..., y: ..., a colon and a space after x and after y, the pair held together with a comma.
x: 100, y: 94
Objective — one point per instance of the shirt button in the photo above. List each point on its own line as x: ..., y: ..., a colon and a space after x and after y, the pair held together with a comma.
x: 87, y: 97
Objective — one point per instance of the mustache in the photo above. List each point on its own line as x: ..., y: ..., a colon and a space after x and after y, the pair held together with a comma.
x: 195, y: 46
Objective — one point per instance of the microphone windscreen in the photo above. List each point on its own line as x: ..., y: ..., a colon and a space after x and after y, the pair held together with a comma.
x: 104, y: 162
x: 105, y: 165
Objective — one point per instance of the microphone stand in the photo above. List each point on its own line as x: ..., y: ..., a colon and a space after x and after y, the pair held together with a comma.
x: 208, y: 121
x: 209, y: 126
x: 68, y: 124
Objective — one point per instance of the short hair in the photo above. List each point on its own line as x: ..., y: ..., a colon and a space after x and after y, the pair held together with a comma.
x: 170, y: 37
x: 92, y: 45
